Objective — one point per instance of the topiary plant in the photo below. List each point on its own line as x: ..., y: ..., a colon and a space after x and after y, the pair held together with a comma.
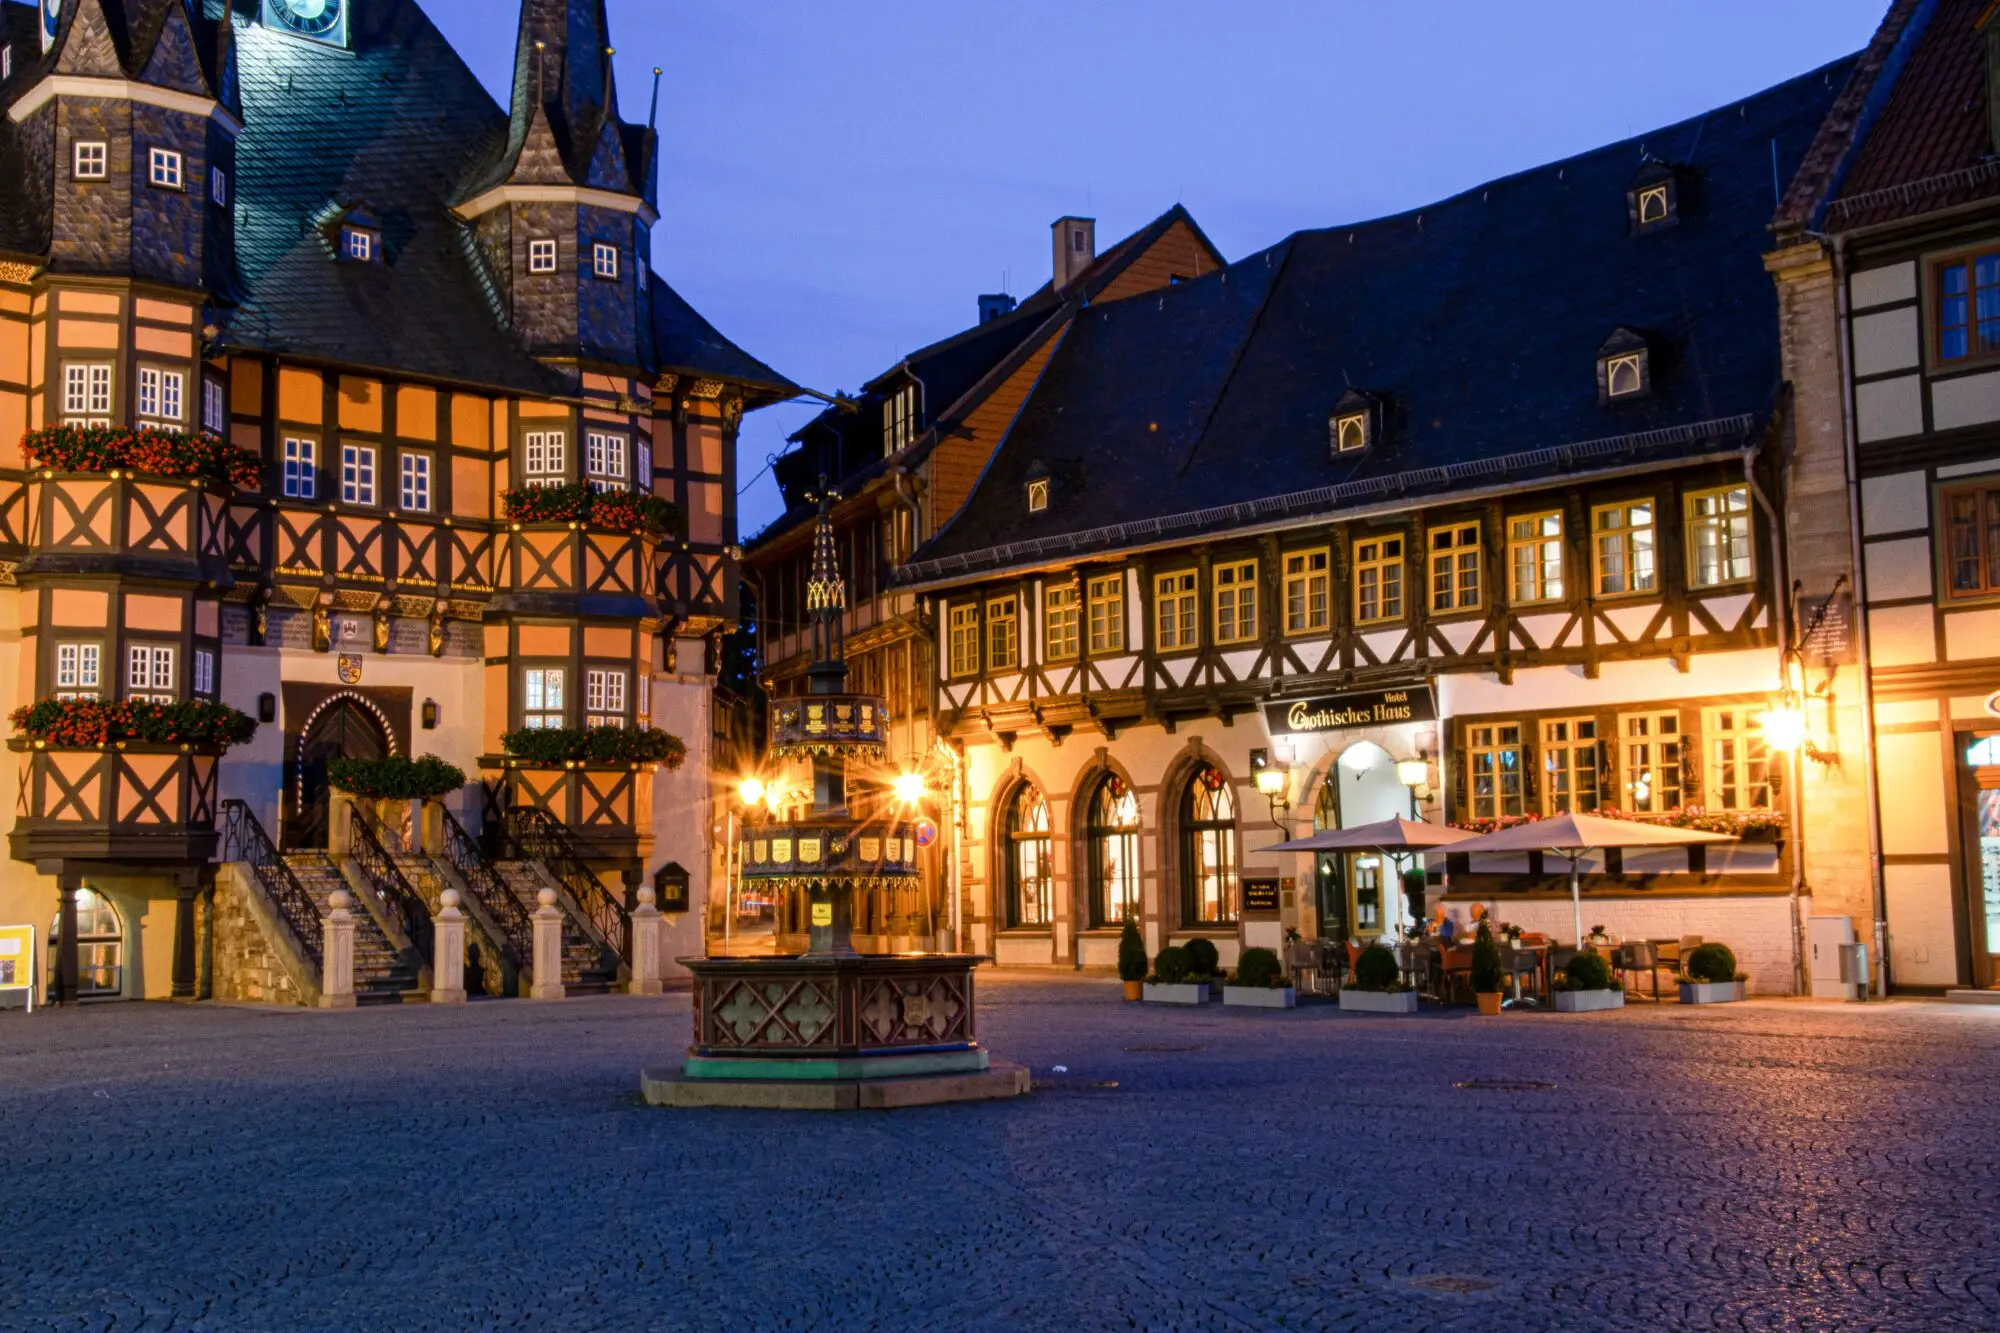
x: 1171, y: 967
x: 1711, y: 963
x: 1131, y: 953
x: 1588, y: 971
x: 1487, y: 973
x: 1203, y: 960
x: 1376, y: 968
x: 1415, y: 884
x: 1259, y: 968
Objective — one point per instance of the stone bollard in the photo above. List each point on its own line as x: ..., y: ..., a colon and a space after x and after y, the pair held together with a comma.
x: 336, y: 987
x: 339, y: 822
x: 548, y: 983
x: 649, y: 940
x: 448, y: 961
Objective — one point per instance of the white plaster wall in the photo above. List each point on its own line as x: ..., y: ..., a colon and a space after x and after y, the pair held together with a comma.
x: 1911, y: 768
x: 1885, y: 341
x: 1899, y: 569
x: 1899, y: 502
x: 1972, y: 634
x: 684, y: 808
x: 1880, y: 286
x: 1758, y: 930
x: 1617, y: 683
x: 1901, y: 635
x: 1921, y: 947
x: 1889, y: 409
x: 1965, y: 400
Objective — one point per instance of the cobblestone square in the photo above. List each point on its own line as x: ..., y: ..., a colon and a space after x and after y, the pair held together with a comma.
x: 1769, y: 1165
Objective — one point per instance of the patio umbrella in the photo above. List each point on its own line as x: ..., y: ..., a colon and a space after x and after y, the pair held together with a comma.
x: 1389, y: 835
x: 1573, y: 836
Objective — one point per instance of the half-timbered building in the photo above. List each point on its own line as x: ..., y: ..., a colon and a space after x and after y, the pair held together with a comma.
x: 1468, y: 512
x: 306, y: 231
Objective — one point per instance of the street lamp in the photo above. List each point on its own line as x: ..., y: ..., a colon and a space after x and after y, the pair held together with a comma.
x: 909, y: 787
x: 1272, y: 771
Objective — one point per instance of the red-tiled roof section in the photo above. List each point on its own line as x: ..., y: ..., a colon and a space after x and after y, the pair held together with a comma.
x: 1930, y: 148
x: 1832, y: 148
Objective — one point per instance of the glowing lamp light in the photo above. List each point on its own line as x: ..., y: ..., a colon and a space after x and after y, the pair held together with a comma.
x: 1784, y: 728
x: 774, y: 796
x: 1413, y: 772
x: 1270, y: 781
x: 751, y: 790
x: 909, y: 787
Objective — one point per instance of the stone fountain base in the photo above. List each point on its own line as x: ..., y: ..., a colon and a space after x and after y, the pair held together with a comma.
x: 869, y: 1031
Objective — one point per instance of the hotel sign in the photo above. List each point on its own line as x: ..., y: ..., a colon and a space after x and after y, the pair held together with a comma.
x: 1363, y: 708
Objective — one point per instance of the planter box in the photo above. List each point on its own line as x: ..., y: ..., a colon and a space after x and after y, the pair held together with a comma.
x: 1185, y: 993
x: 1588, y: 1001
x: 1711, y: 992
x: 1378, y: 1002
x: 1260, y: 997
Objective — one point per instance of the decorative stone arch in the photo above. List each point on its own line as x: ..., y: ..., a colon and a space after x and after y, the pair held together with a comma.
x: 1178, y: 773
x: 999, y: 846
x: 1101, y: 765
x: 306, y: 727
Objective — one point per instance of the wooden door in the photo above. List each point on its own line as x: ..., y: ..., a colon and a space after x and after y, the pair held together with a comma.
x: 343, y: 729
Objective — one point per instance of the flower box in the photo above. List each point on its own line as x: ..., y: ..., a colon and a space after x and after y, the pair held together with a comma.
x: 1187, y: 992
x: 1711, y: 992
x: 1260, y: 997
x: 1377, y: 1001
x: 1588, y: 1001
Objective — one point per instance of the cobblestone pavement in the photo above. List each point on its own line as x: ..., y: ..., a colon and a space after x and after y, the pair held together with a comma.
x: 1768, y: 1165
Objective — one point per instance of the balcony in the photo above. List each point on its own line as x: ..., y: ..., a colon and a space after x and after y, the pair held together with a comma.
x: 133, y: 802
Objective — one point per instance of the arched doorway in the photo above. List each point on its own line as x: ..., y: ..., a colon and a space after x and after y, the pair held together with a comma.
x: 100, y: 946
x: 343, y: 727
x: 1360, y: 892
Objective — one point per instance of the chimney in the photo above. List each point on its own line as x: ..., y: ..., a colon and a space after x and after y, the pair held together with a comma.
x: 994, y: 306
x: 1075, y: 248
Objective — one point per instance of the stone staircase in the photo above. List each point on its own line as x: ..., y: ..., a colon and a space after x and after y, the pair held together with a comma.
x: 380, y: 974
x: 585, y: 968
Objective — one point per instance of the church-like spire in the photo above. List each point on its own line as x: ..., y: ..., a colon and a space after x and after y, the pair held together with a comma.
x: 826, y: 600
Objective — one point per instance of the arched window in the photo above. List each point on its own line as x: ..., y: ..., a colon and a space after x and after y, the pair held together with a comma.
x: 1027, y: 852
x: 1112, y: 837
x: 1208, y: 850
x: 100, y: 945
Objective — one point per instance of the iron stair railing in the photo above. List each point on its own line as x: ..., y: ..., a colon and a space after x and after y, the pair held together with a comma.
x: 393, y: 894
x: 244, y: 840
x: 516, y: 926
x: 532, y: 834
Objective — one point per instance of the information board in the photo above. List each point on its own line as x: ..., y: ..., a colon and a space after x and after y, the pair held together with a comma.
x: 17, y: 961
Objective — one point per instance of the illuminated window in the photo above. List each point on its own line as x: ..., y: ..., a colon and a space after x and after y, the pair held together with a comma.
x: 1652, y: 205
x: 1111, y: 836
x: 1174, y: 612
x: 301, y: 468
x: 544, y: 457
x: 1308, y: 606
x: 357, y: 244
x: 1208, y: 850
x: 1493, y: 755
x: 1739, y: 761
x: 1030, y: 870
x: 1455, y: 568
x: 1378, y: 579
x: 1718, y: 537
x: 1535, y: 555
x: 1650, y: 761
x: 1236, y: 601
x: 1972, y: 540
x: 1622, y: 547
x: 1038, y: 495
x: 1350, y: 432
x: 77, y: 670
x: 603, y: 697
x: 1569, y: 766
x: 1003, y: 637
x: 1061, y: 617
x: 964, y: 641
x: 542, y: 704
x: 1107, y: 613
x: 899, y: 419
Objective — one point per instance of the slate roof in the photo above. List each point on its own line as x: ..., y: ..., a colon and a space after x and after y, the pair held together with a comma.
x: 687, y: 344
x: 1475, y: 321
x: 23, y: 231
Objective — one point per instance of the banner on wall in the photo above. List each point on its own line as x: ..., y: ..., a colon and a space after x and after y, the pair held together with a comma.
x: 1357, y: 708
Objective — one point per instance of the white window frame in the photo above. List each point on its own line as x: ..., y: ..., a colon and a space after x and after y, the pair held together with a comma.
x: 604, y: 260
x: 204, y: 672
x: 544, y: 457
x: 162, y: 396
x: 90, y: 160
x: 604, y: 697
x: 962, y: 656
x: 165, y: 169
x: 414, y: 475
x: 541, y: 254
x: 149, y: 672
x: 214, y: 405
x: 1105, y: 594
x: 642, y: 450
x: 543, y: 698
x: 604, y: 459
x: 87, y: 393
x: 1739, y: 758
x: 357, y: 474
x: 218, y: 187
x: 79, y: 670
x: 301, y: 468
x: 1721, y: 539
x: 357, y: 244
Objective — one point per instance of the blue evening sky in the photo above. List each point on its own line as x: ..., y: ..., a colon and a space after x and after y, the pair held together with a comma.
x: 840, y: 178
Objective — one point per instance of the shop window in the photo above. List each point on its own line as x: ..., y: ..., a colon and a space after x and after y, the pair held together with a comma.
x: 1718, y: 537
x: 1060, y: 622
x: 1111, y: 834
x: 100, y: 945
x: 1308, y: 606
x: 1569, y: 766
x: 604, y: 697
x: 1003, y: 635
x: 1030, y: 879
x: 1493, y: 758
x: 1739, y: 761
x: 1455, y: 555
x: 1107, y: 613
x: 1174, y: 624
x: 1208, y: 850
x: 1535, y: 555
x: 1968, y: 307
x: 542, y: 698
x: 544, y: 460
x: 1378, y: 580
x: 1651, y: 761
x: 1236, y: 601
x: 78, y: 674
x: 301, y: 468
x: 1622, y: 548
x: 964, y: 641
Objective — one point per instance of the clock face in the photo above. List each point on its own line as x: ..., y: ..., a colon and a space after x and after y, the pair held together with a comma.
x: 51, y: 16
x: 325, y: 20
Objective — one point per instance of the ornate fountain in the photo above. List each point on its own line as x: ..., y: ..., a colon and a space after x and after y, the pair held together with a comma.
x: 832, y: 1028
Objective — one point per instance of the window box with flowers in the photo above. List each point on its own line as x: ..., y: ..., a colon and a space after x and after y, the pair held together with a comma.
x: 145, y: 449
x: 609, y: 511
x: 91, y: 724
x: 570, y: 747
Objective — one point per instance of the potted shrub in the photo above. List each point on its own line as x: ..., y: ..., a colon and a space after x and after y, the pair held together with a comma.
x: 1204, y: 961
x: 1260, y: 982
x: 1132, y: 960
x: 1377, y: 986
x: 1586, y: 985
x: 1711, y: 977
x: 1172, y: 980
x: 1415, y: 885
x: 1487, y: 973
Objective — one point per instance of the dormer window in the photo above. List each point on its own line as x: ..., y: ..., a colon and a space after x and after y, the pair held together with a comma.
x: 1624, y: 367
x: 1351, y: 428
x: 1038, y: 495
x: 542, y: 255
x: 1654, y: 204
x: 899, y: 420
x: 604, y: 260
x: 1653, y: 199
x: 358, y: 245
x: 6, y: 62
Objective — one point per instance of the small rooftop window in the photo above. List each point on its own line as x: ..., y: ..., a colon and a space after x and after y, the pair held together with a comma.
x: 1038, y: 495
x: 1352, y: 426
x: 1653, y: 200
x: 1624, y: 366
x: 358, y: 244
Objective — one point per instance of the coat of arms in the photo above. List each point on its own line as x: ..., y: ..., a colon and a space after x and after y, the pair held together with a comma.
x: 348, y: 668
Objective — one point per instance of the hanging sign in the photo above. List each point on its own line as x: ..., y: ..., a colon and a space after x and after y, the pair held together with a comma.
x: 1360, y: 708
x: 17, y: 961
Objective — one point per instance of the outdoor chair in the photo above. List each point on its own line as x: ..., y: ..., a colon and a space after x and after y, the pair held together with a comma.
x: 1675, y: 954
x: 1302, y: 960
x: 1455, y: 971
x: 1630, y: 958
x: 1522, y: 963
